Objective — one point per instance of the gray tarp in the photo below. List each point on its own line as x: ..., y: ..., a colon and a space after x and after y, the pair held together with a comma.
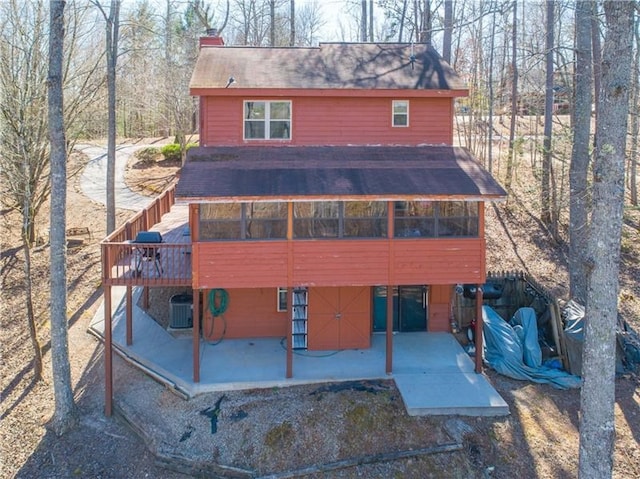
x: 504, y: 351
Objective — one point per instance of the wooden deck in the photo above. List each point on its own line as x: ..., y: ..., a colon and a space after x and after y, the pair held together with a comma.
x: 126, y: 263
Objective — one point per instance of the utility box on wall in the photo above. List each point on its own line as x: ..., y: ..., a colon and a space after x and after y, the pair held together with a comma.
x: 181, y: 311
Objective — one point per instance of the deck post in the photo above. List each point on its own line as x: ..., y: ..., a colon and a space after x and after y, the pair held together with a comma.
x: 289, y: 372
x: 196, y: 335
x: 129, y: 305
x: 389, y: 331
x: 478, y: 331
x: 108, y: 358
x: 289, y: 361
x: 389, y: 334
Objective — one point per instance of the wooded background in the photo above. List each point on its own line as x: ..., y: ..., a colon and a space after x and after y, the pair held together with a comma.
x: 501, y: 48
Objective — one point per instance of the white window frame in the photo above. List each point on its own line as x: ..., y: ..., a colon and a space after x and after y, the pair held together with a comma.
x: 282, y: 306
x: 395, y: 103
x: 267, y: 120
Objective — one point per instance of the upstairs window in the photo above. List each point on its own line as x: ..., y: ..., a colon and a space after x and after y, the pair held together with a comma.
x: 319, y: 219
x: 267, y: 120
x: 243, y: 221
x: 436, y: 219
x: 400, y: 112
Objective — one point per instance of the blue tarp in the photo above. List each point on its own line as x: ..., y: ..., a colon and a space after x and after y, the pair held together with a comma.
x: 508, y: 354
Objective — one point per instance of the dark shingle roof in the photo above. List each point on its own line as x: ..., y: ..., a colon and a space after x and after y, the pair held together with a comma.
x: 249, y: 173
x: 329, y: 66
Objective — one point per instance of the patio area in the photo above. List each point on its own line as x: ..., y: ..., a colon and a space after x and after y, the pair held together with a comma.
x: 431, y: 370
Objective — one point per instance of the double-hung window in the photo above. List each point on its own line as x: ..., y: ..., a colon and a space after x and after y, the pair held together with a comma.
x: 267, y: 120
x: 400, y: 112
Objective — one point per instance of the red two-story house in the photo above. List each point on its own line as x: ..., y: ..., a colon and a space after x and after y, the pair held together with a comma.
x: 326, y: 183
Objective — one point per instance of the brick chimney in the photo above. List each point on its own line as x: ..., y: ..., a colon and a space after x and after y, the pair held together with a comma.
x: 212, y: 38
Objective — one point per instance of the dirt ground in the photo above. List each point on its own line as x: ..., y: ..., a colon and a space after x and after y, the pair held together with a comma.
x: 538, y: 439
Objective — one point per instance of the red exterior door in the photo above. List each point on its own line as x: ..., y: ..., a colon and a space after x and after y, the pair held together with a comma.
x: 339, y: 318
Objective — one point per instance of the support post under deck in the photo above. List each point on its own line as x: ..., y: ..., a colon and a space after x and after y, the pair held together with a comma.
x: 479, y: 328
x: 196, y: 335
x: 129, y: 306
x: 108, y: 356
x: 389, y: 335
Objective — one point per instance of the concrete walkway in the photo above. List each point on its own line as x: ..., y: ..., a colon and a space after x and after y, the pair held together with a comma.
x: 94, y: 177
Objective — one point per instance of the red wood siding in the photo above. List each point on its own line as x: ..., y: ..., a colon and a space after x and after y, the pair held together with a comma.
x: 439, y: 308
x: 241, y: 264
x: 339, y: 318
x: 251, y: 313
x: 338, y: 262
x: 334, y: 121
x: 438, y: 261
x: 344, y: 263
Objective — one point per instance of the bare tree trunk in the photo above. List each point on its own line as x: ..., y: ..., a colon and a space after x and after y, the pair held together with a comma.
x: 597, y: 422
x: 635, y: 121
x: 402, y: 20
x: 578, y: 171
x: 371, y: 21
x: 363, y: 21
x: 292, y: 22
x: 272, y: 19
x: 425, y: 31
x: 491, y: 92
x: 514, y: 99
x: 112, y: 27
x: 448, y: 30
x: 166, y: 80
x: 545, y: 193
x: 64, y: 417
x: 31, y: 317
x: 596, y: 53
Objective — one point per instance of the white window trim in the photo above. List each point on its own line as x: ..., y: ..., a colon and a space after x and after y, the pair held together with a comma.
x: 267, y: 120
x: 393, y: 113
x: 279, y: 307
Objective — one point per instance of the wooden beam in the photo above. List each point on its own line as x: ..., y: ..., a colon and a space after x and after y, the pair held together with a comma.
x: 391, y: 277
x: 108, y: 357
x: 289, y: 365
x: 289, y: 371
x: 478, y: 331
x: 129, y: 315
x: 389, y: 334
x: 196, y: 335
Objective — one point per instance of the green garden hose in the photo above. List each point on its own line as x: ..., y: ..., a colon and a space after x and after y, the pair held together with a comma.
x: 218, y: 304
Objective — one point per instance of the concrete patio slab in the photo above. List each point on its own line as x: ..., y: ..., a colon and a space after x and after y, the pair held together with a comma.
x: 431, y: 370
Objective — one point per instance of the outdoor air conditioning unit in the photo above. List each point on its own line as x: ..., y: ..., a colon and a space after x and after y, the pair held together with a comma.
x: 181, y: 311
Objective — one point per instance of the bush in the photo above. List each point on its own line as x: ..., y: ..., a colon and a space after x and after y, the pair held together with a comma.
x: 148, y: 154
x: 171, y: 152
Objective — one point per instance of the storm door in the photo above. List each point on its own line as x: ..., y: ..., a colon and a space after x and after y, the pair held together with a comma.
x: 409, y: 308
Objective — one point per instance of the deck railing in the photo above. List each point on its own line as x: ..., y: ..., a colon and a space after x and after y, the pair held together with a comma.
x: 145, y: 219
x: 148, y: 264
x: 125, y: 262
